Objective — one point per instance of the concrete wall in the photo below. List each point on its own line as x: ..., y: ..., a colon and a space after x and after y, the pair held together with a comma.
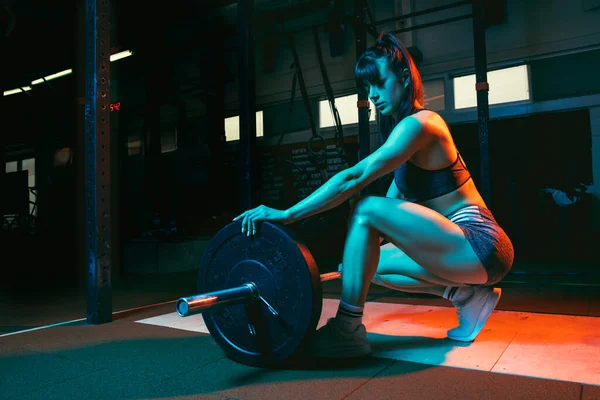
x: 595, y: 188
x: 533, y: 30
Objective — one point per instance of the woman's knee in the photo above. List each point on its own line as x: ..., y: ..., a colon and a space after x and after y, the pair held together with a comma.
x: 364, y: 208
x: 365, y: 205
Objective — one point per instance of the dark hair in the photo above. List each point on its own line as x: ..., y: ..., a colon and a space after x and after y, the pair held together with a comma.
x: 366, y: 71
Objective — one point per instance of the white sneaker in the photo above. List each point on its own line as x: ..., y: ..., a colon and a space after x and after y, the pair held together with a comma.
x: 474, y: 312
x: 333, y: 341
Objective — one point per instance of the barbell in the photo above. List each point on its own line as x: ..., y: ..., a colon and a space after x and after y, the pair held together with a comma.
x: 260, y: 296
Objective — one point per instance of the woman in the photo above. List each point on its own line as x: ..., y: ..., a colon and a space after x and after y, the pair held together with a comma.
x: 442, y: 239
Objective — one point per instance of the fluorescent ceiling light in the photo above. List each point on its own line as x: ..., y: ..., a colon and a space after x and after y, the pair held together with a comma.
x: 114, y: 57
x: 58, y: 74
x: 53, y: 76
x: 19, y: 90
x: 120, y: 55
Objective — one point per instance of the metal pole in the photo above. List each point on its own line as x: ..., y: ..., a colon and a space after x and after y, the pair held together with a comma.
x: 247, y: 97
x: 482, y: 88
x: 219, y: 179
x: 97, y: 161
x: 364, y: 135
x: 3, y: 50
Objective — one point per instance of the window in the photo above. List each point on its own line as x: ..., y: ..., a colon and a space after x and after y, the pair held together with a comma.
x: 134, y: 145
x: 506, y: 85
x: 435, y: 98
x: 135, y: 136
x: 12, y: 166
x: 29, y: 166
x: 168, y: 137
x: 232, y: 127
x: 346, y: 107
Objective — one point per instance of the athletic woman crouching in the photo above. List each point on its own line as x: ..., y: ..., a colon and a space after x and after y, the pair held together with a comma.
x: 442, y: 238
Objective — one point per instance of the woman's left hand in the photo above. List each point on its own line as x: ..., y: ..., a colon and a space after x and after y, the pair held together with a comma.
x: 261, y: 213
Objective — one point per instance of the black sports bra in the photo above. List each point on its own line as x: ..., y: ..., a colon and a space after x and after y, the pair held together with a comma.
x: 419, y: 184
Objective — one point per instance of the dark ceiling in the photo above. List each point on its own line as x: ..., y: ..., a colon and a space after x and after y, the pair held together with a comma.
x: 41, y: 35
x: 38, y: 38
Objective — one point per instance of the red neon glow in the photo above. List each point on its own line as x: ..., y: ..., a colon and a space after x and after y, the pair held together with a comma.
x: 115, y: 106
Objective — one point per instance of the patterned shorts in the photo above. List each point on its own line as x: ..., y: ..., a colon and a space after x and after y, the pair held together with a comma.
x: 488, y: 240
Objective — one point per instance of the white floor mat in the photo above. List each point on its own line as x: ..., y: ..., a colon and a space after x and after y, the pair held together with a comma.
x: 537, y: 345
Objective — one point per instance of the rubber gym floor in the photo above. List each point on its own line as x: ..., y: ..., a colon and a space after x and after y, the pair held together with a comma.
x: 541, y: 342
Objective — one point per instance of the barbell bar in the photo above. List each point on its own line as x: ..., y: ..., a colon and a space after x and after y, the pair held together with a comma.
x: 245, y: 293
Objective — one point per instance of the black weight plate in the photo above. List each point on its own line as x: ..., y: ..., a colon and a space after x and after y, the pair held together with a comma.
x: 286, y: 276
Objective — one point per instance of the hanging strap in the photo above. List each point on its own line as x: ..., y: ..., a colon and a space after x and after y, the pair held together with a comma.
x: 339, y: 132
x: 302, y: 84
x: 319, y: 158
x: 294, y: 79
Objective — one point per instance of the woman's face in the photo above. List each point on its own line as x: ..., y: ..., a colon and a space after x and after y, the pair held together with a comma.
x: 387, y: 94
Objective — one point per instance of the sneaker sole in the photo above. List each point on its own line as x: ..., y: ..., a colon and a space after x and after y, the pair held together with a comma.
x: 486, y: 311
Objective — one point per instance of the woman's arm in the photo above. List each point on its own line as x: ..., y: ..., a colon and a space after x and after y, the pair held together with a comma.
x: 406, y: 138
x: 329, y: 195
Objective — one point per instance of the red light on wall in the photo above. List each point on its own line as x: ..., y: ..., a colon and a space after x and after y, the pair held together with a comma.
x: 115, y: 106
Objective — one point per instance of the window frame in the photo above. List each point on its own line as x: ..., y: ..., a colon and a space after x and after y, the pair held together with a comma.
x: 375, y: 121
x: 452, y: 78
x: 258, y: 137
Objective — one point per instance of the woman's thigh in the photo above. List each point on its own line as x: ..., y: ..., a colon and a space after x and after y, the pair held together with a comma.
x: 433, y: 242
